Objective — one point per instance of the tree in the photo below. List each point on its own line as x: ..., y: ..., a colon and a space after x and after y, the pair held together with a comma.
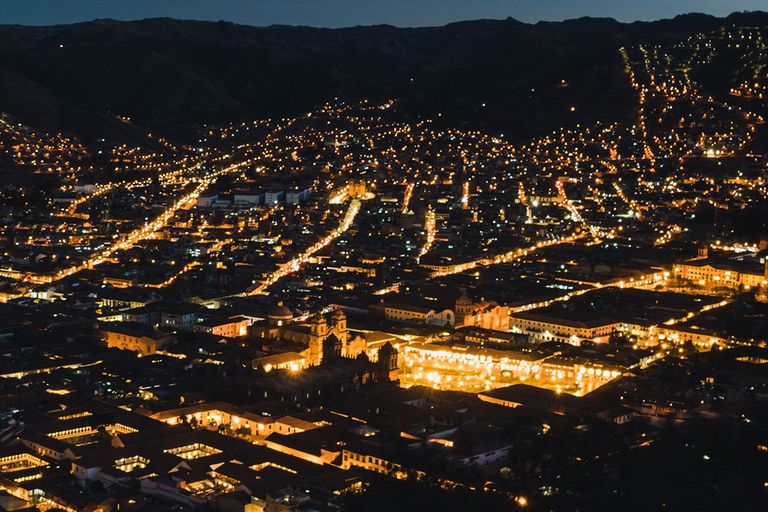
x: 619, y: 338
x: 102, y: 435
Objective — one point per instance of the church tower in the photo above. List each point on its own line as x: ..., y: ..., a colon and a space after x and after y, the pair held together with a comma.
x: 463, y: 309
x: 339, y: 320
x: 386, y: 366
x: 318, y: 326
x: 318, y: 329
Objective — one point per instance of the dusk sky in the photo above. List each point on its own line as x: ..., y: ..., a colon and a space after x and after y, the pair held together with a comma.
x: 344, y: 13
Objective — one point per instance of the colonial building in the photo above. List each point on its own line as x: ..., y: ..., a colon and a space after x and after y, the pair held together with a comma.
x: 277, y: 319
x: 387, y: 364
x: 286, y: 361
x: 712, y: 272
x: 319, y: 337
x: 135, y: 337
x: 406, y: 313
x: 483, y: 314
x: 549, y: 328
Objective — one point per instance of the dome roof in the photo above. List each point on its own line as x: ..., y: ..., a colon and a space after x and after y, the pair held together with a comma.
x: 280, y: 312
x: 464, y: 299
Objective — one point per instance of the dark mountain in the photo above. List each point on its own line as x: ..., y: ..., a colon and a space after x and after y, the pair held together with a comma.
x: 41, y: 108
x: 503, y: 75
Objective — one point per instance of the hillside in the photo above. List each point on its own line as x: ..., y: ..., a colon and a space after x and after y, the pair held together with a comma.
x: 502, y: 75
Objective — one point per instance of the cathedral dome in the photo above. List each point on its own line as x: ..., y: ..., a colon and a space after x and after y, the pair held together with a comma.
x: 280, y: 312
x: 464, y: 300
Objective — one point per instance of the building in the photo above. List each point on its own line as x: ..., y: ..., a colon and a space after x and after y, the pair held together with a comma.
x: 537, y: 398
x: 286, y: 361
x: 387, y: 364
x: 120, y: 282
x: 274, y: 196
x: 223, y: 201
x: 135, y: 337
x: 172, y: 315
x: 702, y: 339
x: 207, y: 199
x: 122, y: 298
x: 406, y: 313
x: 235, y: 327
x: 315, y: 336
x: 445, y: 264
x: 248, y: 198
x: 548, y: 328
x: 714, y: 272
x: 297, y: 196
x: 483, y: 314
x: 215, y: 414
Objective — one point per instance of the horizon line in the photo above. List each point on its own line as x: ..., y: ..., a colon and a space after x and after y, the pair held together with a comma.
x: 321, y: 27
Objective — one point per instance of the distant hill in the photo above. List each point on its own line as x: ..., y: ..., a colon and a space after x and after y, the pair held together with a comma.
x: 501, y: 75
x: 39, y: 107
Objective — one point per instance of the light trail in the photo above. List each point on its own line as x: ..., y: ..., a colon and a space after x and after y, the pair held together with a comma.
x: 429, y: 225
x: 631, y: 202
x: 575, y: 215
x: 150, y: 228
x: 168, y: 178
x: 295, y: 264
x: 170, y: 280
x: 673, y: 230
x: 407, y: 197
x: 507, y: 257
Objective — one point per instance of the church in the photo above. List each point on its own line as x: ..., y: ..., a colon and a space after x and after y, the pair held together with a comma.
x: 319, y: 338
x: 483, y: 314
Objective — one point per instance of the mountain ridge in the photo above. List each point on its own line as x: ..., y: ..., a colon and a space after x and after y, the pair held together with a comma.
x: 503, y: 75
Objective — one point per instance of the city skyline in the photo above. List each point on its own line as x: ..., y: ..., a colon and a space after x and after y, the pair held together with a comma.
x: 345, y: 13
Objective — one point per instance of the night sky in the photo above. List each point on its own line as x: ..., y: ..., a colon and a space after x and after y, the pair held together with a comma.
x: 345, y: 13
